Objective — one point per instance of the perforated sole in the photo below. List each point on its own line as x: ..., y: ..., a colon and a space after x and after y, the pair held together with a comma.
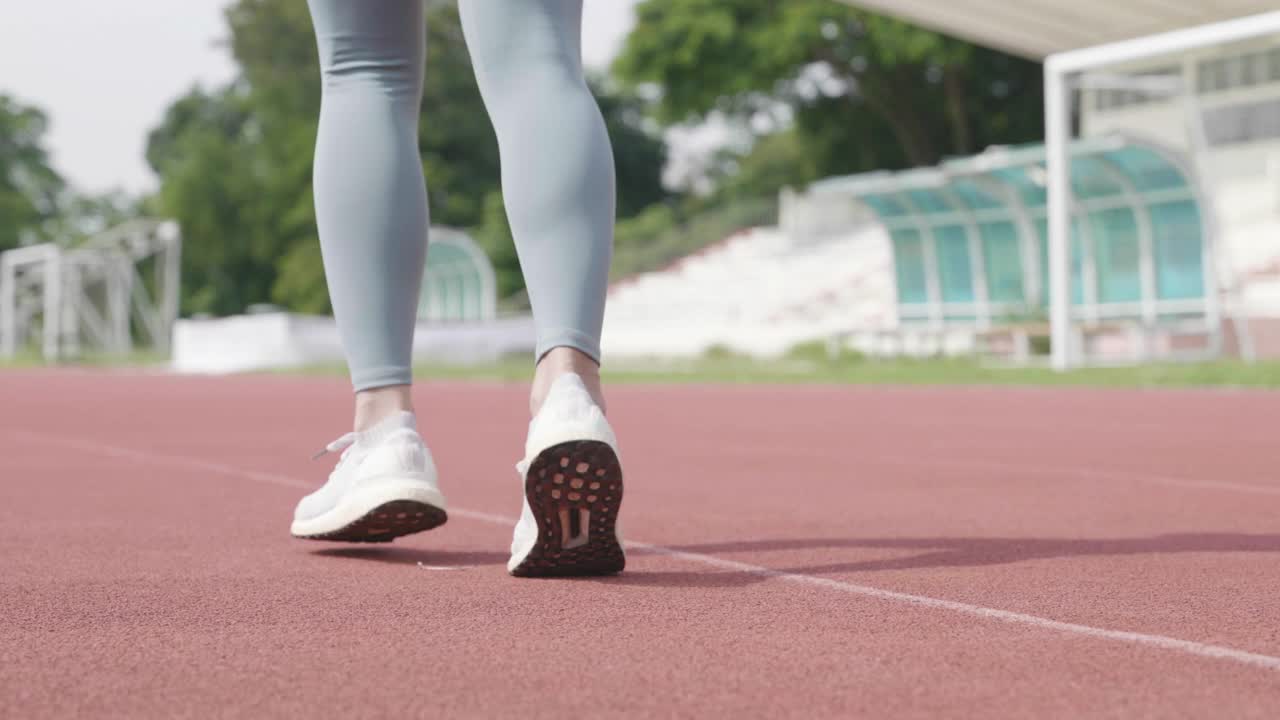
x: 574, y: 490
x: 387, y: 522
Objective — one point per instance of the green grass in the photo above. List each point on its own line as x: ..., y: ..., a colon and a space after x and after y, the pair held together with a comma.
x: 32, y: 359
x: 808, y: 364
x: 949, y: 372
x: 807, y: 368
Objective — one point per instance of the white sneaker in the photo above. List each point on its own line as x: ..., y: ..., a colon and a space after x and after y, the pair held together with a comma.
x: 572, y: 483
x: 384, y: 486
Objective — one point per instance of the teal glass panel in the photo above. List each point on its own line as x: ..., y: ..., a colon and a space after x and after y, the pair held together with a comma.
x: 909, y: 267
x: 955, y: 272
x: 929, y: 201
x: 1147, y: 169
x: 1179, y: 250
x: 974, y: 195
x: 1090, y: 179
x: 1031, y: 193
x: 1117, y: 255
x: 1042, y: 238
x: 454, y: 290
x: 1077, y: 261
x: 885, y: 206
x: 1003, y: 260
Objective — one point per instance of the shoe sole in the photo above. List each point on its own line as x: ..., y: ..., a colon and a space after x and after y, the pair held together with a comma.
x: 386, y: 522
x: 574, y: 490
x: 379, y: 513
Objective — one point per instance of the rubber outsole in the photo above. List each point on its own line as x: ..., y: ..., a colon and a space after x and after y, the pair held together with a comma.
x: 574, y: 490
x: 387, y: 522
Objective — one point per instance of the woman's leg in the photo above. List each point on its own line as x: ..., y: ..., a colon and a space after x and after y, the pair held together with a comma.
x: 371, y: 202
x: 557, y: 180
x: 557, y: 173
x: 371, y: 208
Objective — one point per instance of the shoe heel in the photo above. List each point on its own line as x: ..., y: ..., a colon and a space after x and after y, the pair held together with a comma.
x: 575, y: 491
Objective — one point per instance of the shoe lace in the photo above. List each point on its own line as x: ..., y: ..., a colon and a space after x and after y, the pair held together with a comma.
x: 342, y: 444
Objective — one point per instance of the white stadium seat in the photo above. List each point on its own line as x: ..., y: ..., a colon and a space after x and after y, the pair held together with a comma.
x: 760, y: 292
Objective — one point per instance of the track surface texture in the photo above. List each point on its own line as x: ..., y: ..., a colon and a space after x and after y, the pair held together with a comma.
x: 795, y: 552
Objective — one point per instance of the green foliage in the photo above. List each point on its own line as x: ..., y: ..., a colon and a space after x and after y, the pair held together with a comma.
x: 30, y: 188
x: 639, y: 154
x: 459, y: 149
x: 301, y: 282
x: 858, y: 91
x: 820, y: 353
x: 665, y: 233
x: 867, y: 92
x: 861, y: 91
x: 775, y: 161
x: 723, y: 353
x: 236, y: 162
x: 213, y: 183
x: 81, y: 216
x: 36, y: 205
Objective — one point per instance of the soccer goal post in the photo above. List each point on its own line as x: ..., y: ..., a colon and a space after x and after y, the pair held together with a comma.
x: 1062, y: 72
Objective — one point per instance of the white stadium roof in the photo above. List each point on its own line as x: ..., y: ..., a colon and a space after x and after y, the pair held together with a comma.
x: 1037, y: 29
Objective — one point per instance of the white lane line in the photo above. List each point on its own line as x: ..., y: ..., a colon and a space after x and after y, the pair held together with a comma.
x: 1162, y: 642
x: 153, y: 458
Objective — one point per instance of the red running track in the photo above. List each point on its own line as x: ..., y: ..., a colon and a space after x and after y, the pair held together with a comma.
x: 817, y: 552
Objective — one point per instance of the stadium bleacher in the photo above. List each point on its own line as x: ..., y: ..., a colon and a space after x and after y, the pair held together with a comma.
x: 760, y: 291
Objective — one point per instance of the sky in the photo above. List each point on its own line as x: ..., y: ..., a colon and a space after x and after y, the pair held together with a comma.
x: 104, y: 72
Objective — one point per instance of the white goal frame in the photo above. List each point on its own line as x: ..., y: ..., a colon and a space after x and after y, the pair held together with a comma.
x: 1061, y: 71
x: 92, y: 293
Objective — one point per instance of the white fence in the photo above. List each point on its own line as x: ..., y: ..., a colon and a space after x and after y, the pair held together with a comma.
x: 283, y: 340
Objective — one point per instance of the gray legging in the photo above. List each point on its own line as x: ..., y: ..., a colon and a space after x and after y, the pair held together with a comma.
x: 371, y: 203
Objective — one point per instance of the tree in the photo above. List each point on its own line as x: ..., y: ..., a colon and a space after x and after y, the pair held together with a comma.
x: 30, y: 188
x: 81, y: 216
x: 639, y: 153
x: 865, y: 91
x: 214, y: 184
x: 774, y: 162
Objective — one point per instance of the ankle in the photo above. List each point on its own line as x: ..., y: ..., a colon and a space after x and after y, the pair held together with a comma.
x: 563, y: 361
x: 375, y: 405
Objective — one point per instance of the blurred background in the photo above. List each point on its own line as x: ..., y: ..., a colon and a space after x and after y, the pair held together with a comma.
x: 810, y: 189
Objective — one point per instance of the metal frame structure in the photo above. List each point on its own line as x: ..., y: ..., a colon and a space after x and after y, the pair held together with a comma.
x: 30, y: 282
x: 92, y: 294
x: 999, y: 197
x: 445, y: 286
x: 1062, y: 71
